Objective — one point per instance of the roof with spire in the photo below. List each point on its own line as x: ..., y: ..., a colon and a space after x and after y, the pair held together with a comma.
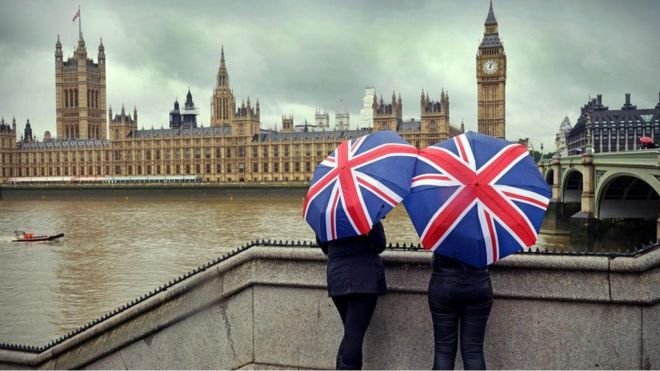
x: 4, y: 126
x: 189, y: 101
x: 122, y: 117
x: 491, y: 15
x: 490, y: 40
x: 223, y: 76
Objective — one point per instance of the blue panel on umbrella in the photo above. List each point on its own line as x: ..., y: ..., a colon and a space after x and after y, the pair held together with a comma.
x: 421, y: 215
x: 532, y: 181
x: 507, y: 245
x: 318, y: 210
x: 533, y: 213
x: 376, y: 212
x: 344, y: 226
x: 461, y: 243
x: 320, y: 171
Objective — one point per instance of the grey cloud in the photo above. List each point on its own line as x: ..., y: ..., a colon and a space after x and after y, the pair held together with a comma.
x: 298, y: 55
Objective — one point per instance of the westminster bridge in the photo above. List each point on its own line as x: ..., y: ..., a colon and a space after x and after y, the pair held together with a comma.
x: 600, y: 193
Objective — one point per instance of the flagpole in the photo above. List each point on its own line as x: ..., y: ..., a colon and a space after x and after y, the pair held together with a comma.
x: 79, y: 23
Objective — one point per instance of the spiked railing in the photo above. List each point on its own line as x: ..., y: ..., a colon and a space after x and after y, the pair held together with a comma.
x: 632, y: 252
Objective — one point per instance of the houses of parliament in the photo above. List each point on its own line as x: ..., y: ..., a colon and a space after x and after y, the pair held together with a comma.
x: 94, y: 142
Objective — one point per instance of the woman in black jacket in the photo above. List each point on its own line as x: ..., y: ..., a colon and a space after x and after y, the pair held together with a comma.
x: 356, y: 278
x: 459, y: 294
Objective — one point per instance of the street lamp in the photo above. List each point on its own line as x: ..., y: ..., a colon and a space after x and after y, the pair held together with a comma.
x: 589, y: 147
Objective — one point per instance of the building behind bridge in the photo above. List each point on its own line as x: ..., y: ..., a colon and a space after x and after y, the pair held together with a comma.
x: 612, y: 130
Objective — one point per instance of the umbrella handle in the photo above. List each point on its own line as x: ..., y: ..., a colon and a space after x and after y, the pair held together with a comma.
x: 378, y: 213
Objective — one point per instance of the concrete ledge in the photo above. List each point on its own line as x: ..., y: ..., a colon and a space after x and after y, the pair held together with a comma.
x: 268, y: 307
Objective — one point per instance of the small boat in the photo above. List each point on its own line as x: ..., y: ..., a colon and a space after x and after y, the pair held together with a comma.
x: 30, y: 237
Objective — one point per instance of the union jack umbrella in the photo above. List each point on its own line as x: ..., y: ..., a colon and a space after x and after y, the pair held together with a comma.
x: 358, y: 184
x: 477, y: 199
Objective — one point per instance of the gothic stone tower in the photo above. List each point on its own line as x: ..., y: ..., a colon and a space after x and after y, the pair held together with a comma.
x: 287, y: 124
x: 80, y: 93
x: 7, y: 148
x: 223, y: 104
x: 387, y: 116
x: 246, y: 120
x: 491, y: 80
x: 434, y: 119
x: 322, y: 119
x: 123, y: 124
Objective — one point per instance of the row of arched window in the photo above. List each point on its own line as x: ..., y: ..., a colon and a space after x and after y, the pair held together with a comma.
x: 93, y: 98
x: 71, y: 98
x: 72, y: 131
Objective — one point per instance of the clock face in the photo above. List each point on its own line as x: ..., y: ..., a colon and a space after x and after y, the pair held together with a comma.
x: 489, y: 66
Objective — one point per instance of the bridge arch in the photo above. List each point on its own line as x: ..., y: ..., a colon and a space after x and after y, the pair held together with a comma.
x: 550, y: 176
x: 626, y: 195
x: 571, y: 190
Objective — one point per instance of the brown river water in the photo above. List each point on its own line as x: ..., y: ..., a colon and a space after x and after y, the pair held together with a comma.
x: 116, y: 249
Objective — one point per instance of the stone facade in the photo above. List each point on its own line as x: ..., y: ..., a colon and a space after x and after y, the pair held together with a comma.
x: 612, y: 130
x: 80, y: 93
x: 7, y: 148
x: 234, y: 148
x: 491, y: 81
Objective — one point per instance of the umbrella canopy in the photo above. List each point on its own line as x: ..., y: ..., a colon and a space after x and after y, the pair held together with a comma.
x: 358, y: 184
x: 477, y: 199
x: 646, y: 140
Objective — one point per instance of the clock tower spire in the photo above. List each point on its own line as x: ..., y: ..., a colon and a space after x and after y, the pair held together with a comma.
x: 491, y: 80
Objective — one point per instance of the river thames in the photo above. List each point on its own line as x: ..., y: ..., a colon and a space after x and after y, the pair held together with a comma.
x: 117, y: 248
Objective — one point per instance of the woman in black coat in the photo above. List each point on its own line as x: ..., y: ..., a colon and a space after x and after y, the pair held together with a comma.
x: 460, y: 299
x: 356, y: 277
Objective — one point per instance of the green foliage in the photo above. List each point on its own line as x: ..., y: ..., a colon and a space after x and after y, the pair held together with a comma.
x: 537, y: 156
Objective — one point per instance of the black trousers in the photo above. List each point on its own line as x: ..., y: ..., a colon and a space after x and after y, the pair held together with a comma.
x: 459, y: 300
x: 355, y: 311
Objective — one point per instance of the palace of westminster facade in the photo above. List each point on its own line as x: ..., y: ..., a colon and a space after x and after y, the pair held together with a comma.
x: 234, y: 148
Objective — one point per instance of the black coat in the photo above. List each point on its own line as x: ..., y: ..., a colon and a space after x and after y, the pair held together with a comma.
x: 354, y: 264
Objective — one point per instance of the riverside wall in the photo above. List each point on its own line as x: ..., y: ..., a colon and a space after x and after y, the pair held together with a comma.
x: 145, y: 190
x: 266, y: 307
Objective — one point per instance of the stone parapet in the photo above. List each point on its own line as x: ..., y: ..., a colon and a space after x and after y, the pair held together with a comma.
x: 267, y: 307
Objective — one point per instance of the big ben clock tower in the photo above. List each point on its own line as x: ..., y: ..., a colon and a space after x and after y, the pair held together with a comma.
x: 491, y: 80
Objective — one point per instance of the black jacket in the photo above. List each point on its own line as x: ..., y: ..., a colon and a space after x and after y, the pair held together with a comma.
x: 354, y: 264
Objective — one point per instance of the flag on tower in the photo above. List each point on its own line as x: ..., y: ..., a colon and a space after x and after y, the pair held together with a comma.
x: 76, y: 15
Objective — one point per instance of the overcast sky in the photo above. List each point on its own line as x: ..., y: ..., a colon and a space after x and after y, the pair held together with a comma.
x: 295, y: 56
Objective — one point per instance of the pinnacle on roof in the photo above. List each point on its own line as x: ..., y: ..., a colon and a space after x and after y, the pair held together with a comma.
x: 491, y: 15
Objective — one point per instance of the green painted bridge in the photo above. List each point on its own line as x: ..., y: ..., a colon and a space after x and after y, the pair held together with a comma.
x: 605, y: 186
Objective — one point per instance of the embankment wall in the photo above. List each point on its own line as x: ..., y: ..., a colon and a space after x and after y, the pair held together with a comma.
x: 266, y: 307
